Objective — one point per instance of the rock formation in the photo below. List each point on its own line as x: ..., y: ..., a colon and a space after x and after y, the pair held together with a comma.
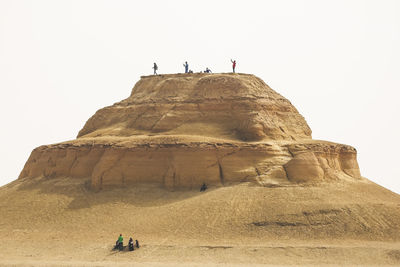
x: 182, y: 130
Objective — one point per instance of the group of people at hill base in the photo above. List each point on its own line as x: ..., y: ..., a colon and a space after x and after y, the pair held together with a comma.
x: 187, y: 70
x: 131, y: 244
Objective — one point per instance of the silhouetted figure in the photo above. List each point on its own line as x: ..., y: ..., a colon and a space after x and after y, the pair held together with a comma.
x: 207, y: 70
x: 155, y: 67
x: 203, y: 187
x: 131, y: 246
x: 137, y: 243
x: 186, y: 65
x: 233, y: 65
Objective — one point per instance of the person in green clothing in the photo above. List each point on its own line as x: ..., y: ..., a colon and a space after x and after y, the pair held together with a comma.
x: 120, y: 242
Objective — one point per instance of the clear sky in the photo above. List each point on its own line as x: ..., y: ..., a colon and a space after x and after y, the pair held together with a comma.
x: 338, y: 62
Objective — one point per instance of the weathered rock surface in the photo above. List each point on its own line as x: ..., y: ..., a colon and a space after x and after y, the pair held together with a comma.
x: 230, y: 106
x: 180, y: 131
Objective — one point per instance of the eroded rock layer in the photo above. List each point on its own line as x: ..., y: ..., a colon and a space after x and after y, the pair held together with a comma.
x: 180, y: 131
x: 190, y: 164
x: 233, y: 106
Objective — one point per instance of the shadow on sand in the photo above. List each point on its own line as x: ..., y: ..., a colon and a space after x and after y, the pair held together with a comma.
x: 145, y: 195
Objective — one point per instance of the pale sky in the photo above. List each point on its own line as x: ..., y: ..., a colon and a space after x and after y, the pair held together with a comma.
x: 338, y: 62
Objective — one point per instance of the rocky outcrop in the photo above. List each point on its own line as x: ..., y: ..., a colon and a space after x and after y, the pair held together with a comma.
x: 231, y: 106
x: 180, y: 131
x: 189, y: 165
x: 319, y: 160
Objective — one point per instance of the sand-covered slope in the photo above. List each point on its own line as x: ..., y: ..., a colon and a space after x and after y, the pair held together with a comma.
x: 59, y: 221
x: 183, y: 130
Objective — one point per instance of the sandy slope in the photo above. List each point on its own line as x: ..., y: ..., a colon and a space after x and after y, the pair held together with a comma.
x: 60, y: 222
x: 276, y: 196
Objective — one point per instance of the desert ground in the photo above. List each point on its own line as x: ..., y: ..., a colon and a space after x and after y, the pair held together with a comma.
x: 275, y: 196
x: 62, y: 222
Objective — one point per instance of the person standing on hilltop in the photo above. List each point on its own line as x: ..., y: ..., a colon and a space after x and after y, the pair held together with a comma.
x: 186, y: 65
x: 233, y: 65
x: 155, y: 67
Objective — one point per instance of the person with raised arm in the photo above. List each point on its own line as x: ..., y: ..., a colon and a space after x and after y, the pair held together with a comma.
x: 233, y: 65
x: 186, y: 65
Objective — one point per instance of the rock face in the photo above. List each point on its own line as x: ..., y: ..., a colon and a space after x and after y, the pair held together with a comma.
x: 183, y: 130
x: 238, y: 107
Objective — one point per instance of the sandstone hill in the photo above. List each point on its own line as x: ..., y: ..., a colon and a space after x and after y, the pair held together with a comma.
x: 182, y: 130
x: 275, y: 195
